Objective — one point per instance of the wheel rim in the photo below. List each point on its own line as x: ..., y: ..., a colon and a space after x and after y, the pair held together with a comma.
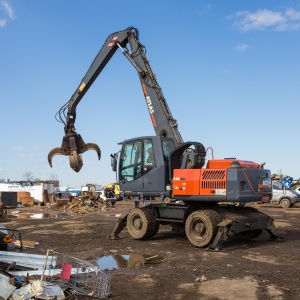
x: 141, y: 223
x: 201, y: 227
x: 285, y: 203
x: 137, y: 223
x: 198, y: 229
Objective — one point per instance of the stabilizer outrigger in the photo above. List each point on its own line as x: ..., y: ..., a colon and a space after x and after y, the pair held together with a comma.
x: 236, y: 223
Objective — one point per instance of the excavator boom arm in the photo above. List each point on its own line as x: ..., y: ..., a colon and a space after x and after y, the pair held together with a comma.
x: 163, y: 122
x: 103, y: 57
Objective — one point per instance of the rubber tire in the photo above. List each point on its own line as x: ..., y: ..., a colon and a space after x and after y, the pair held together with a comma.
x: 285, y: 203
x: 154, y: 230
x: 141, y: 223
x: 205, y: 221
x: 248, y: 235
x: 154, y: 225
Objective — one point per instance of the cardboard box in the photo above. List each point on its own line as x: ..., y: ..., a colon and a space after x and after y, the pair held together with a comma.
x: 28, y: 201
x: 22, y: 195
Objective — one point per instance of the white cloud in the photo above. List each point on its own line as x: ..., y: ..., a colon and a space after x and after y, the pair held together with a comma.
x: 264, y: 18
x: 241, y: 47
x: 2, y: 22
x: 7, y: 8
x: 293, y: 14
x: 17, y: 148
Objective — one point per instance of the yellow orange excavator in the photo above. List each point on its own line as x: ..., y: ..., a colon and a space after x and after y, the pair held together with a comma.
x: 197, y: 190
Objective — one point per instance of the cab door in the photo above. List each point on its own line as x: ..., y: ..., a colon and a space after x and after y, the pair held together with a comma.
x: 130, y: 166
x: 142, y: 167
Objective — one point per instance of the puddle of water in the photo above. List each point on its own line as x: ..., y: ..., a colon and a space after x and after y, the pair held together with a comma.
x: 40, y: 215
x: 128, y: 261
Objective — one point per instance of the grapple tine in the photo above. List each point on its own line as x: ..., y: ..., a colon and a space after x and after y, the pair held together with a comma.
x: 92, y: 146
x: 53, y: 152
x: 75, y: 161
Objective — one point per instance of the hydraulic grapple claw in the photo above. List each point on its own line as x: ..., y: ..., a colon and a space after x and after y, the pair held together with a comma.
x: 53, y: 152
x: 73, y: 146
x: 75, y: 161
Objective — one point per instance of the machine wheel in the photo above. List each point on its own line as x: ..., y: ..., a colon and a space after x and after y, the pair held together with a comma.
x: 201, y: 227
x: 154, y: 225
x: 141, y: 223
x: 248, y: 235
x: 285, y: 203
x: 155, y: 228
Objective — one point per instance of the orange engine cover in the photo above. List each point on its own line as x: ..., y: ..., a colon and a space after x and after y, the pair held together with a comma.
x: 196, y: 182
x: 225, y: 164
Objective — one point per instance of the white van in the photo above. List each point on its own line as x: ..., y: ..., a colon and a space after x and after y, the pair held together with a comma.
x: 283, y: 195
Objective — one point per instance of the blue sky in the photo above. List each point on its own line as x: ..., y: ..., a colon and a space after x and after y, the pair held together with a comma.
x: 229, y: 70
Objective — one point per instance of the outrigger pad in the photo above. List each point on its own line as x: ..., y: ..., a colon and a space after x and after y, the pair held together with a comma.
x: 274, y: 236
x: 119, y: 226
x: 220, y: 238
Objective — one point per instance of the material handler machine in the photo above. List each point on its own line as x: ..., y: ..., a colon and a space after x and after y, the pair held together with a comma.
x: 195, y: 195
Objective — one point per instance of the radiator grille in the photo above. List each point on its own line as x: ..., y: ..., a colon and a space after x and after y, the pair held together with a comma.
x: 213, y: 179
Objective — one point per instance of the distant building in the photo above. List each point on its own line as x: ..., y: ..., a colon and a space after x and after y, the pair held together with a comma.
x: 40, y: 190
x: 91, y: 187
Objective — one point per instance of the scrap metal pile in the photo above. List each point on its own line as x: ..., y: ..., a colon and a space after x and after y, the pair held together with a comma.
x: 55, y: 276
x: 86, y: 202
x: 288, y: 181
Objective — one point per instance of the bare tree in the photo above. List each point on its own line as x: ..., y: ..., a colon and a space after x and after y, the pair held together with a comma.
x: 28, y: 176
x: 53, y: 176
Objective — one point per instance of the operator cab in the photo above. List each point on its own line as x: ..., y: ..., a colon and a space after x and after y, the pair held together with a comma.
x: 144, y: 162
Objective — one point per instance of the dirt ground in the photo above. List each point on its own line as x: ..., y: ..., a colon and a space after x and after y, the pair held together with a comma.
x: 253, y: 269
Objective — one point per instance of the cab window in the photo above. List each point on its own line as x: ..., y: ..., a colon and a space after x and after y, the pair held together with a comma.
x: 277, y: 186
x: 149, y: 158
x: 131, y: 159
x: 168, y: 146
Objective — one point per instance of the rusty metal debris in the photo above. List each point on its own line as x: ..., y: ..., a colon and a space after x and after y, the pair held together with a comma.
x: 78, y: 275
x: 60, y: 276
x: 3, y: 214
x: 8, y: 239
x: 85, y: 202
